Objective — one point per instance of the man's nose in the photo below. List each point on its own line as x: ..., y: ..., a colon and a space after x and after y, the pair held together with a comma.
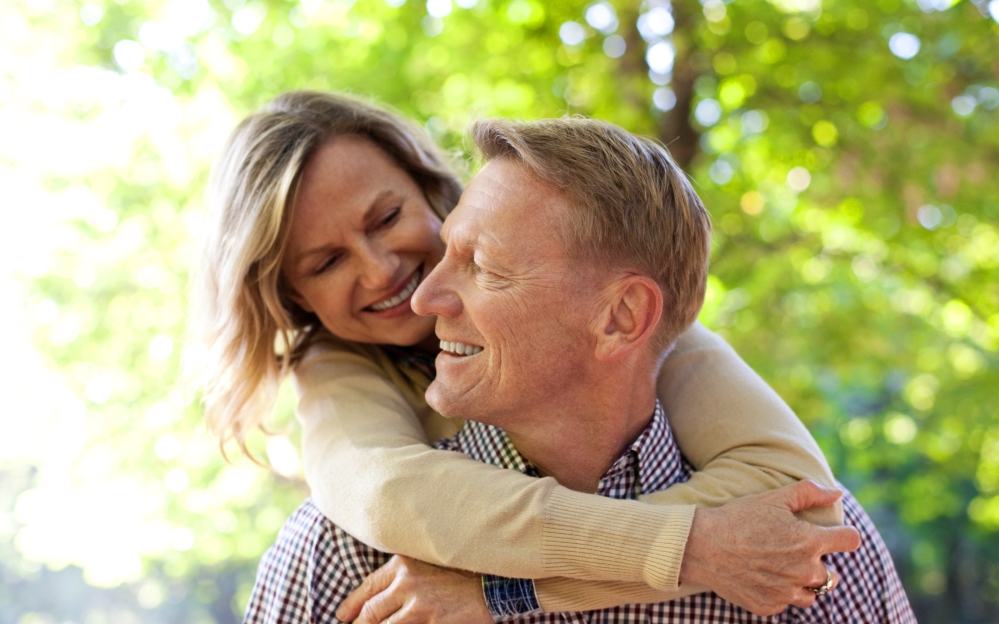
x: 378, y: 267
x: 435, y: 295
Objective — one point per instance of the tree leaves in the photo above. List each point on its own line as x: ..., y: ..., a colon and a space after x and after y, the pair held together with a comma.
x: 845, y: 149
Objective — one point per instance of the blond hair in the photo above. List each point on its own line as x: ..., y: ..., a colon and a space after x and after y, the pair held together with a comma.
x: 245, y: 334
x: 633, y: 207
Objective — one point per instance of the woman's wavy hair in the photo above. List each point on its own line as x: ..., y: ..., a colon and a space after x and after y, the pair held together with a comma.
x: 245, y: 335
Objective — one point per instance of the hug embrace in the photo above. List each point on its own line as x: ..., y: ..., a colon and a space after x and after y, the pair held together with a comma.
x: 508, y: 409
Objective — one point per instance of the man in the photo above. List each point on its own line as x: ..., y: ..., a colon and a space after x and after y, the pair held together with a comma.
x: 574, y: 260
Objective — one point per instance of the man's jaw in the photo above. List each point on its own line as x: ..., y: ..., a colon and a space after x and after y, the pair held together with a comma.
x: 458, y: 374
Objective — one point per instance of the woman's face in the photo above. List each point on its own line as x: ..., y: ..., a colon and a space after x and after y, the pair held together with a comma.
x: 362, y: 239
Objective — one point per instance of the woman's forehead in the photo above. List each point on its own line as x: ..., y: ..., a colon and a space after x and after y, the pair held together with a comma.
x: 345, y: 182
x: 349, y: 174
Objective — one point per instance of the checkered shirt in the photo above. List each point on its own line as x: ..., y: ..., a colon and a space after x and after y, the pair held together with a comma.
x: 314, y: 565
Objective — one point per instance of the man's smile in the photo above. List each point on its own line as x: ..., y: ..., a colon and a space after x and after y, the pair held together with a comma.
x: 459, y: 348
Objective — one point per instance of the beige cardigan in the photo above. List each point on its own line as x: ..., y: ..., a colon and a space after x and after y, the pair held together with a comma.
x: 366, y: 429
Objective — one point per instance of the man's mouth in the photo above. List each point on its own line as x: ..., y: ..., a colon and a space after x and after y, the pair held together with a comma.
x: 405, y: 293
x: 459, y: 348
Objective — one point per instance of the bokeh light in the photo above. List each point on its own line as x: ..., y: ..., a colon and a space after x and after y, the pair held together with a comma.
x: 845, y: 151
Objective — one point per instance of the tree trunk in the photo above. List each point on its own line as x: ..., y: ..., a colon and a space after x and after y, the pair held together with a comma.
x: 675, y: 130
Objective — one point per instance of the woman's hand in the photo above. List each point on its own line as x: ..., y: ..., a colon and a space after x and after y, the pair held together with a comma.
x: 407, y: 591
x: 755, y: 553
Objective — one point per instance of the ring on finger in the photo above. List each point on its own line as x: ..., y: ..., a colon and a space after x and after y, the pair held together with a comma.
x: 823, y: 589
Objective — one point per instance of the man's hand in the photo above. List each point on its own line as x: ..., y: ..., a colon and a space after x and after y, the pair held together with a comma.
x: 755, y: 553
x: 407, y: 591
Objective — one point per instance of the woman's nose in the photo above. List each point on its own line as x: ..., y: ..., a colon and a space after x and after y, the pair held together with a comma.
x: 379, y: 268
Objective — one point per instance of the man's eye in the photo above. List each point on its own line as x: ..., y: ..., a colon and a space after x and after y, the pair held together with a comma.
x: 478, y: 269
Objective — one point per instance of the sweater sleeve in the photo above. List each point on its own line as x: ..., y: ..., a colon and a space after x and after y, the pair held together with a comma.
x: 740, y: 437
x: 736, y: 432
x: 372, y: 472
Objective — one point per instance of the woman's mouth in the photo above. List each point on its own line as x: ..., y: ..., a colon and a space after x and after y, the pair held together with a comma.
x: 403, y: 295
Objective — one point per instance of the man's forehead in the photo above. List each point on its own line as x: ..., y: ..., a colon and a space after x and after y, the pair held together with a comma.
x: 504, y: 195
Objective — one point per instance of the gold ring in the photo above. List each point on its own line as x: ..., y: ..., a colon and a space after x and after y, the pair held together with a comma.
x: 824, y: 589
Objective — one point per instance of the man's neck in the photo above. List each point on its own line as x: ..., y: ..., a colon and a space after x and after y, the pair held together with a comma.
x: 577, y: 439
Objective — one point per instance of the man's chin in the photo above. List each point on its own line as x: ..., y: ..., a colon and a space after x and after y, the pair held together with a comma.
x: 437, y: 399
x: 449, y: 403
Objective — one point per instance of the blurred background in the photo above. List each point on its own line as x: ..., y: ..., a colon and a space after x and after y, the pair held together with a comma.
x: 848, y: 151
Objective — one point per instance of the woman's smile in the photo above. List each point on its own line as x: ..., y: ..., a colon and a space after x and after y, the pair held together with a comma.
x: 363, y: 236
x: 397, y: 302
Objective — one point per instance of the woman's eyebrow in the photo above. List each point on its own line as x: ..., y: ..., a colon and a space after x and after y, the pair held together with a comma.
x: 301, y: 260
x: 376, y: 203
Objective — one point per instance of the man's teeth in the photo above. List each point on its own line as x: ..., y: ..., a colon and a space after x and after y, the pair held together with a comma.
x: 394, y: 301
x: 459, y: 348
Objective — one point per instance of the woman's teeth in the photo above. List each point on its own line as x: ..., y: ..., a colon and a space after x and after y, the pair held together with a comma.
x: 459, y: 348
x: 394, y: 301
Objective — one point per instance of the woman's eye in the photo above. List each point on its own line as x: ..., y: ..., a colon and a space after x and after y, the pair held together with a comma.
x: 390, y: 217
x: 327, y: 264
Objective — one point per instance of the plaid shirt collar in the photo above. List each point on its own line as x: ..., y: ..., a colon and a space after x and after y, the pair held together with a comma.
x: 650, y: 464
x: 314, y: 565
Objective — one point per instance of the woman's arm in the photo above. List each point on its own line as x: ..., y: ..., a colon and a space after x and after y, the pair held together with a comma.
x: 371, y: 472
x: 738, y: 434
x: 364, y: 443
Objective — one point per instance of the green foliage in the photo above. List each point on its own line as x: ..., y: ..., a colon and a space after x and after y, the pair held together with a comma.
x: 845, y: 149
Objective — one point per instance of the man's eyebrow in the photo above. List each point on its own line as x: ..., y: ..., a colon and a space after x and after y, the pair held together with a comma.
x: 492, y: 247
x: 457, y: 236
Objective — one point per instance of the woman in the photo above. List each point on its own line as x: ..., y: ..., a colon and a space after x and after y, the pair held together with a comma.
x: 325, y: 214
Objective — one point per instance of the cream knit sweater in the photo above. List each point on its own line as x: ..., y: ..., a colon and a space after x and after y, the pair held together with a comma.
x: 366, y: 433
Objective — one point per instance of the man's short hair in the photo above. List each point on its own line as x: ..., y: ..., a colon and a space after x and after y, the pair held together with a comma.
x: 633, y: 206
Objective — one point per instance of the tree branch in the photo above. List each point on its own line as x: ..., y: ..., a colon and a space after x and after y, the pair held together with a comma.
x: 675, y: 130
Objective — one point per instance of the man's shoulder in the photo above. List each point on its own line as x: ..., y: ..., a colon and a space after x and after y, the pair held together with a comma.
x: 312, y: 566
x: 303, y: 532
x: 308, y: 530
x: 306, y: 519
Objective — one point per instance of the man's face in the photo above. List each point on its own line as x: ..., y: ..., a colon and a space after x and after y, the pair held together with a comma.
x: 507, y: 291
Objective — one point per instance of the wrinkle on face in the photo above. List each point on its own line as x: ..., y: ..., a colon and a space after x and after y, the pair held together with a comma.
x: 341, y: 257
x: 532, y: 312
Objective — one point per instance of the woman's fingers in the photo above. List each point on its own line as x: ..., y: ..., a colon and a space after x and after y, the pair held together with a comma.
x: 805, y: 597
x: 807, y: 494
x: 406, y: 591
x: 757, y: 554
x: 380, y: 608
x: 821, y: 577
x: 406, y: 615
x: 839, y: 539
x: 372, y: 586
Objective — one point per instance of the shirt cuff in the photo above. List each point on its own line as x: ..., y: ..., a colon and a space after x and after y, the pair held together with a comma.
x: 508, y: 596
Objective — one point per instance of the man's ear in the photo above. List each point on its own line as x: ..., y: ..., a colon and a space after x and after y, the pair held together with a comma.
x: 630, y: 316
